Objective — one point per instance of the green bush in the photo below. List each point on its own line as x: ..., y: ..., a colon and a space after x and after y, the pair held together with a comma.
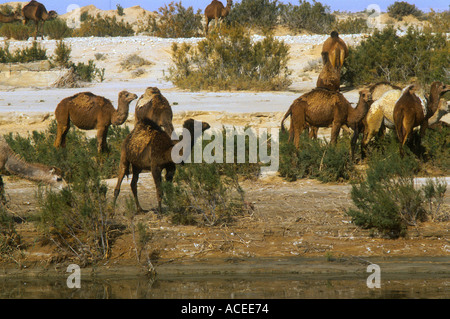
x: 88, y: 72
x: 102, y: 27
x: 229, y: 59
x: 386, y: 56
x: 261, y: 14
x: 351, y: 26
x: 175, y: 21
x: 201, y: 194
x: 388, y: 200
x: 62, y: 54
x: 315, y: 158
x: 314, y: 18
x: 57, y: 29
x: 29, y: 54
x: 17, y: 31
x: 400, y: 9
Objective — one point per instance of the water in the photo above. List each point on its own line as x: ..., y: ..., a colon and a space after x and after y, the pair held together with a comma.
x: 227, y: 287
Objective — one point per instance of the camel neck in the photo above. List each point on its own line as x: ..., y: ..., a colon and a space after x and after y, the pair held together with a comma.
x: 19, y: 167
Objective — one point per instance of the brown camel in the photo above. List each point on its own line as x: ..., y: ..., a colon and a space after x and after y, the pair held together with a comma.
x: 16, y: 16
x: 322, y: 108
x: 410, y: 112
x: 148, y: 147
x: 34, y: 172
x: 335, y: 51
x: 88, y: 111
x: 215, y: 10
x: 37, y: 12
x: 329, y: 78
x: 154, y: 106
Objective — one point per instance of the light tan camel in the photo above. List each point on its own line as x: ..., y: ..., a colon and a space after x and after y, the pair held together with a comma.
x: 215, y: 10
x: 88, y: 111
x: 335, y: 51
x: 409, y: 110
x: 37, y: 12
x: 34, y: 172
x: 16, y: 16
x: 148, y: 147
x: 322, y: 108
x: 154, y: 106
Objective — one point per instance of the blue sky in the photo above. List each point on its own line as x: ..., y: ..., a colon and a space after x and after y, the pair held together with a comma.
x: 350, y: 5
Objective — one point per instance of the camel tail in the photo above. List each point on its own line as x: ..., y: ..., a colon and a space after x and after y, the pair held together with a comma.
x: 288, y: 113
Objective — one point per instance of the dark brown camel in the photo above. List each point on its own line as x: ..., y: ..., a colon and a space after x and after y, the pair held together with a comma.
x: 335, y: 51
x: 88, y: 111
x: 154, y: 106
x: 329, y: 78
x: 215, y: 10
x: 322, y: 108
x: 37, y: 12
x: 148, y: 147
x: 409, y: 112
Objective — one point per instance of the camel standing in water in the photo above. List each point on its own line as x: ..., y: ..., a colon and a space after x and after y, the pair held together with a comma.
x: 37, y: 12
x: 216, y: 10
x: 34, y: 172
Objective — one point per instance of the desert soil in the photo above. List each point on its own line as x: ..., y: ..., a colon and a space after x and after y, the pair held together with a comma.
x: 304, y: 218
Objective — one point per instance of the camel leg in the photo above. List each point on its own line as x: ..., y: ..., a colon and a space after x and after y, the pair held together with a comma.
x: 353, y: 142
x: 170, y: 172
x: 206, y: 26
x: 61, y: 132
x: 2, y: 192
x: 102, y: 133
x: 335, y: 129
x: 156, y: 173
x: 133, y: 184
x: 123, y: 169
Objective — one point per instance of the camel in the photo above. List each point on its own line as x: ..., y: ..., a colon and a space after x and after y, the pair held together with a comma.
x: 154, y: 106
x: 215, y: 10
x: 322, y: 108
x: 335, y: 51
x: 443, y: 109
x: 16, y: 16
x: 148, y: 147
x: 37, y: 12
x: 410, y: 111
x: 329, y: 78
x: 34, y: 172
x: 381, y: 113
x: 88, y: 111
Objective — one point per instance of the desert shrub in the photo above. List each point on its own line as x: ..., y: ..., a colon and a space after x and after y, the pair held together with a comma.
x: 315, y: 158
x: 314, y: 17
x: 133, y: 61
x: 28, y: 54
x: 57, y: 29
x: 10, y: 241
x: 175, y: 21
x: 261, y: 14
x: 437, y: 148
x: 400, y: 9
x: 200, y: 194
x: 17, y: 30
x: 439, y: 21
x: 386, y: 56
x: 88, y: 72
x: 102, y: 27
x: 230, y: 60
x: 351, y: 26
x: 387, y: 200
x: 120, y: 11
x: 61, y: 55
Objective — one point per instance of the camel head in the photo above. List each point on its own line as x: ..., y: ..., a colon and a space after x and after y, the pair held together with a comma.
x: 439, y: 88
x: 365, y: 96
x: 334, y: 34
x: 190, y: 124
x: 55, y: 178
x: 127, y: 97
x: 150, y: 91
x: 52, y: 14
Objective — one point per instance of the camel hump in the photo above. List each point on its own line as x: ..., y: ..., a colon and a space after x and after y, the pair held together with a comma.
x: 88, y: 100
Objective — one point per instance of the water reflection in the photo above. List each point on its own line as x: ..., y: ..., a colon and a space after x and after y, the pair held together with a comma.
x: 248, y: 287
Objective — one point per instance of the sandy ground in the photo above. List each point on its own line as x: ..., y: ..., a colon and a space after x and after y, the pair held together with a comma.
x: 304, y: 218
